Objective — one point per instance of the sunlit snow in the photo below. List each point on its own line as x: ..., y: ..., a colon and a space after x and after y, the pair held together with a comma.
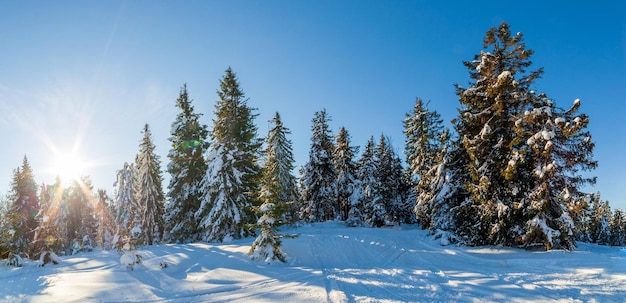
x: 328, y: 262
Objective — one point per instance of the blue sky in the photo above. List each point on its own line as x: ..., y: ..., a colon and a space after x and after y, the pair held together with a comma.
x: 86, y: 75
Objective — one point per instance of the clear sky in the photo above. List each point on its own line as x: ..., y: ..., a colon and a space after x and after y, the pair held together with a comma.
x: 84, y: 76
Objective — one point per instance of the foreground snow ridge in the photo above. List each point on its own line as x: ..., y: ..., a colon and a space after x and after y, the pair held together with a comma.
x: 328, y: 263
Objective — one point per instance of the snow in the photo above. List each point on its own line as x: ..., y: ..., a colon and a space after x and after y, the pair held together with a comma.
x: 328, y: 262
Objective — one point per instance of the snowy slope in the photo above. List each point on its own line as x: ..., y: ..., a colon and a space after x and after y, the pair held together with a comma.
x: 329, y: 263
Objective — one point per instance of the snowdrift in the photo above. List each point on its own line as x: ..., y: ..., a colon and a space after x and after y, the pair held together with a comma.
x: 328, y: 262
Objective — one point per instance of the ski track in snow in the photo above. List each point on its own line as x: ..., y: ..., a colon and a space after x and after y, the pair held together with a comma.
x: 328, y: 262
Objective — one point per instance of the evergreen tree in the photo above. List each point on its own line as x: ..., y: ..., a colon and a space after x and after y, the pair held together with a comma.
x: 266, y: 246
x: 186, y: 168
x: 319, y: 190
x: 435, y: 188
x: 5, y: 227
x: 23, y: 209
x: 522, y: 164
x: 231, y: 182
x: 389, y: 174
x: 81, y: 221
x: 278, y: 193
x: 278, y: 184
x: 346, y: 173
x: 618, y: 228
x: 560, y: 149
x: 128, y: 216
x: 47, y: 233
x: 600, y: 223
x: 422, y: 148
x: 148, y: 190
x: 422, y: 130
x: 105, y: 215
x: 372, y: 200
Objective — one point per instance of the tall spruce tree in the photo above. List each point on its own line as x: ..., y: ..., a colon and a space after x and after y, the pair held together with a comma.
x: 390, y: 180
x: 372, y: 201
x: 105, y: 215
x: 187, y: 167
x: 278, y: 193
x: 618, y: 228
x: 278, y: 184
x: 48, y: 232
x: 519, y: 151
x: 318, y: 182
x: 230, y: 184
x: 345, y: 167
x: 442, y: 192
x: 148, y: 190
x: 127, y: 210
x: 81, y: 222
x: 23, y: 209
x: 423, y: 129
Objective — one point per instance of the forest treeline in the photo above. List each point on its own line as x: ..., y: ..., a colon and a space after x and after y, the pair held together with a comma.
x: 510, y: 172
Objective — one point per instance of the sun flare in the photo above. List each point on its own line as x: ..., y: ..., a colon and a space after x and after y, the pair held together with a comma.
x: 68, y: 167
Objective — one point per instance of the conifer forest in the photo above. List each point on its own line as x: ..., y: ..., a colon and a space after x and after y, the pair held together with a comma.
x: 510, y: 170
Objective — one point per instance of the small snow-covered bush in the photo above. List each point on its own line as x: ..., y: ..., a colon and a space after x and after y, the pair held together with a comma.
x: 47, y: 257
x: 129, y: 259
x: 15, y: 260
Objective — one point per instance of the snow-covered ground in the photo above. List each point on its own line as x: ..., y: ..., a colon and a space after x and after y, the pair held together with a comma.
x: 328, y: 262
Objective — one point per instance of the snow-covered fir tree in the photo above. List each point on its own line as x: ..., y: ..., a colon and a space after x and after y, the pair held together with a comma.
x: 82, y: 223
x: 24, y: 206
x: 47, y: 233
x: 423, y: 129
x: 318, y: 176
x: 523, y: 169
x: 389, y: 175
x: 230, y: 184
x: 267, y: 246
x: 187, y: 167
x: 278, y: 184
x: 128, y: 213
x: 372, y: 203
x: 561, y: 149
x: 345, y: 168
x: 600, y: 222
x: 5, y: 228
x: 148, y: 190
x: 105, y: 215
x: 278, y: 193
x: 618, y: 228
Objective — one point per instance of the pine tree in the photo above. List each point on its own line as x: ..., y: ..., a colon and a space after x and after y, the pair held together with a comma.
x: 278, y: 193
x: 560, y: 149
x: 618, y: 228
x: 422, y: 130
x: 148, y: 190
x: 278, y: 184
x: 374, y: 211
x: 81, y: 221
x: 266, y: 246
x: 47, y: 233
x: 389, y: 174
x: 127, y: 210
x: 346, y: 173
x: 230, y: 184
x: 318, y: 182
x: 522, y: 164
x: 5, y: 228
x: 422, y: 148
x: 186, y: 168
x: 600, y: 222
x: 105, y: 215
x: 23, y: 209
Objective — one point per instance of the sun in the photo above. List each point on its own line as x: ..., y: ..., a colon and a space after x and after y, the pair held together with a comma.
x: 68, y: 167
